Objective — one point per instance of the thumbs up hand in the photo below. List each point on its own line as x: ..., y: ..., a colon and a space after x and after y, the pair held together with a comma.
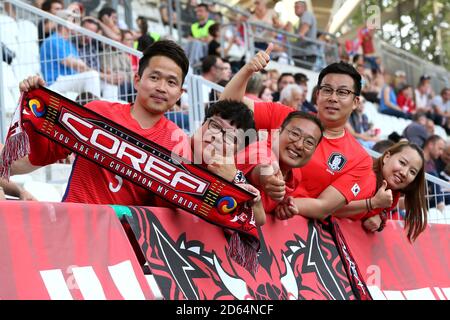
x: 260, y: 60
x: 272, y: 181
x: 383, y: 198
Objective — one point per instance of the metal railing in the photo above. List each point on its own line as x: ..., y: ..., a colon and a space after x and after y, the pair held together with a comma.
x: 296, y: 48
x: 74, y: 61
x: 292, y: 49
x: 397, y: 59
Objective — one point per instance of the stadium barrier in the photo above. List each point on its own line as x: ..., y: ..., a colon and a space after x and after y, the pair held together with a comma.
x: 78, y: 251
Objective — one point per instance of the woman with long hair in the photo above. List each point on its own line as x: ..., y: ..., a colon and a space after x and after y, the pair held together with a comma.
x: 399, y: 171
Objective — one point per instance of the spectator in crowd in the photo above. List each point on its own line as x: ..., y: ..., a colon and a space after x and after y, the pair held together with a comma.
x: 61, y: 65
x: 227, y: 73
x: 444, y: 162
x: 382, y: 145
x: 377, y: 82
x: 342, y: 51
x: 337, y: 171
x: 399, y: 80
x: 264, y: 16
x: 108, y: 21
x: 214, y: 47
x: 388, y: 100
x: 358, y: 125
x: 162, y: 63
x: 38, y: 3
x: 46, y: 27
x: 165, y: 14
x: 221, y: 136
x: 395, y: 137
x: 306, y: 30
x: 188, y: 17
x: 77, y: 8
x: 441, y: 108
x: 432, y: 150
x: 292, y: 96
x: 405, y: 100
x: 214, y: 12
x: 300, y: 133
x: 200, y: 29
x: 302, y: 80
x: 254, y: 85
x: 370, y: 91
x: 90, y: 51
x: 265, y: 94
x: 416, y: 131
x: 212, y: 67
x: 279, y: 48
x: 117, y: 66
x: 430, y: 126
x: 314, y: 96
x: 358, y: 60
x: 272, y: 78
x: 285, y: 79
x: 145, y: 38
x: 423, y: 96
x: 399, y: 171
x: 366, y: 39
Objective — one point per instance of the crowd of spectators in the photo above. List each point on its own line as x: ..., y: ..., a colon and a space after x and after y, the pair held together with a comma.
x: 87, y: 66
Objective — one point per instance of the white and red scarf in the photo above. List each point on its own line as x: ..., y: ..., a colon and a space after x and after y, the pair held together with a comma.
x: 187, y: 186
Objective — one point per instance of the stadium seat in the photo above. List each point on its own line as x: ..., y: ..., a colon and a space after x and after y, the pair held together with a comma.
x: 27, y: 60
x: 10, y: 87
x: 9, y: 33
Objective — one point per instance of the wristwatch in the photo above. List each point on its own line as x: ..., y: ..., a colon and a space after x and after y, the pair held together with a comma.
x: 239, y: 177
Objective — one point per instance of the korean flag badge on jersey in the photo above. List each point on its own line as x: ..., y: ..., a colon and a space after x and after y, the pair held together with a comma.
x: 356, y: 189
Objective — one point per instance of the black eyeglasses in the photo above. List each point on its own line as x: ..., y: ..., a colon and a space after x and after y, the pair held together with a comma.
x: 295, y: 135
x: 228, y: 135
x: 341, y: 93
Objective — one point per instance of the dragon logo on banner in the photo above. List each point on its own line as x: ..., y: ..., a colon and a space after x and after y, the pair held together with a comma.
x: 188, y: 260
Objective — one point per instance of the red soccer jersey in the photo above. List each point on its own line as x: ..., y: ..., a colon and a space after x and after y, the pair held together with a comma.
x: 90, y: 183
x: 261, y: 152
x: 341, y: 163
x: 270, y: 115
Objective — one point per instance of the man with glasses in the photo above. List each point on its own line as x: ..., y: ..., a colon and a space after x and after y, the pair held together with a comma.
x: 292, y: 147
x: 227, y: 129
x: 337, y: 170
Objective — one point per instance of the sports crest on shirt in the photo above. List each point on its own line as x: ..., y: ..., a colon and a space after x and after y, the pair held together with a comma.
x: 336, y: 162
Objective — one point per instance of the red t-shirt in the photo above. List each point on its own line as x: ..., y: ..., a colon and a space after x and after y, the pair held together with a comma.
x: 90, y: 183
x: 262, y: 153
x: 406, y: 104
x: 341, y: 163
x: 366, y: 39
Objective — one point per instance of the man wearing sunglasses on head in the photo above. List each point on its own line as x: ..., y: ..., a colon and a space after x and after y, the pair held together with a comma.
x: 337, y: 170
